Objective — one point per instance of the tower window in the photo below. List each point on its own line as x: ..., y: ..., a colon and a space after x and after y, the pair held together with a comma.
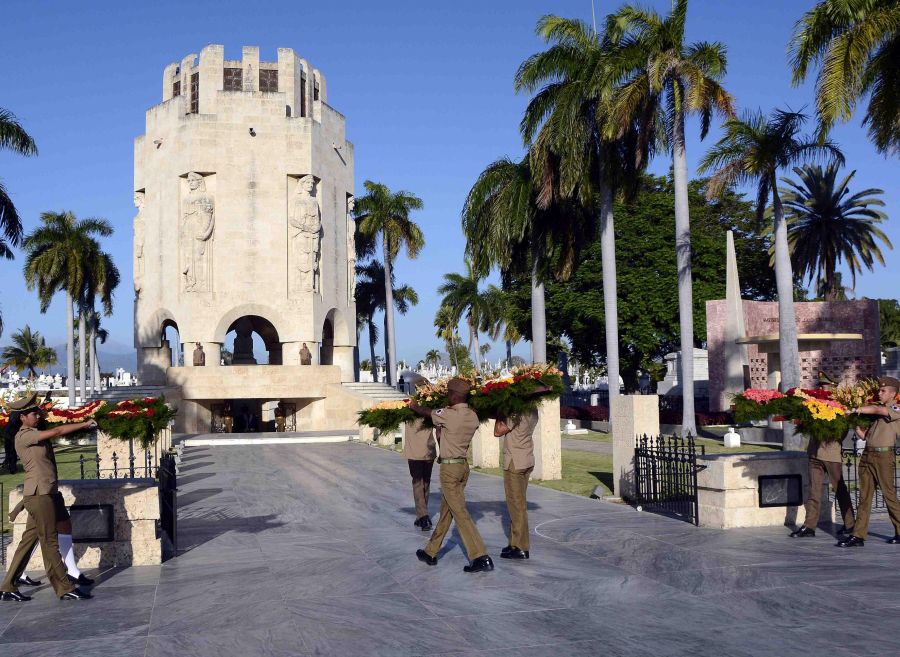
x: 268, y: 80
x: 176, y: 88
x: 233, y: 79
x: 316, y: 90
x: 195, y: 93
x: 302, y: 95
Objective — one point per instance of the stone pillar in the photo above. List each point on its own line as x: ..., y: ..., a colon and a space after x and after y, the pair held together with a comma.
x: 547, y: 442
x: 486, y: 446
x: 366, y: 434
x: 210, y: 66
x: 343, y: 358
x: 213, y: 351
x: 387, y: 438
x: 154, y: 361
x: 632, y: 415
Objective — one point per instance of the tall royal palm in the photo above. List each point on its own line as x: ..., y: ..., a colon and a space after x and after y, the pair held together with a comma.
x: 28, y: 351
x: 59, y: 254
x: 371, y: 297
x: 463, y: 298
x: 752, y: 150
x: 101, y: 279
x: 828, y: 225
x: 856, y: 44
x: 568, y: 121
x: 668, y: 80
x: 95, y: 332
x: 385, y: 215
x: 14, y: 138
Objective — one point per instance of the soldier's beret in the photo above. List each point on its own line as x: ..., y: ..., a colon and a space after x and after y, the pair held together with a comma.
x: 889, y: 381
x: 22, y: 403
x: 460, y: 386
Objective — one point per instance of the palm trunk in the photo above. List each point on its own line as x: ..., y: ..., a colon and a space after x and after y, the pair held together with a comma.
x: 390, y: 341
x: 788, y: 346
x: 683, y: 259
x: 82, y: 356
x: 476, y: 348
x: 372, y: 351
x: 70, y: 349
x: 95, y: 366
x: 538, y: 318
x: 508, y: 354
x: 610, y: 295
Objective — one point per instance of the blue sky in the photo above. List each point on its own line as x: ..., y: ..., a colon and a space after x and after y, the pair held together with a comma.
x: 426, y: 88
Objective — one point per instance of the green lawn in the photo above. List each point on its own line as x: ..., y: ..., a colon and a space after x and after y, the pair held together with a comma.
x: 581, y: 472
x: 711, y: 446
x: 66, y: 462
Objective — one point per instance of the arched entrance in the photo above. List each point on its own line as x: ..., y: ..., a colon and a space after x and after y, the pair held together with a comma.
x: 326, y: 350
x: 253, y: 340
x: 170, y: 343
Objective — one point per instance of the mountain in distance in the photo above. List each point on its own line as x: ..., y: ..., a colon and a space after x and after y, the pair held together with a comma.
x: 111, y: 356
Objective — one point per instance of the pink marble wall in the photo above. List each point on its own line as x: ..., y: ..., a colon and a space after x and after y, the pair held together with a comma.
x: 843, y: 361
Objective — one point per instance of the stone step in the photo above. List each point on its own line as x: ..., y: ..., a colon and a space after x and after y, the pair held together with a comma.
x: 270, y: 438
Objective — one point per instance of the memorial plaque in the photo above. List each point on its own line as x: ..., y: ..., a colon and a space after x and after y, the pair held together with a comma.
x: 780, y: 490
x: 92, y: 523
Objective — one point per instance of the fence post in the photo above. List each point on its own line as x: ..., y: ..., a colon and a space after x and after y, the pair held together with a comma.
x: 631, y: 416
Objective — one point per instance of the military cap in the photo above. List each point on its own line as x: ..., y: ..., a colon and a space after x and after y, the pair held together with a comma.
x: 22, y: 403
x: 460, y: 386
x: 889, y: 381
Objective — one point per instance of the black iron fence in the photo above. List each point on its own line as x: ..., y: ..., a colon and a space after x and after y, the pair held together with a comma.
x: 168, y: 499
x: 119, y: 467
x: 4, y: 539
x: 850, y: 458
x: 665, y: 472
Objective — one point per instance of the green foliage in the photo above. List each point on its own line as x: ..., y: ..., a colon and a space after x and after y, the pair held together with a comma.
x: 889, y: 312
x: 522, y: 395
x: 647, y: 278
x: 792, y: 409
x: 144, y: 420
x: 384, y: 419
x: 28, y: 351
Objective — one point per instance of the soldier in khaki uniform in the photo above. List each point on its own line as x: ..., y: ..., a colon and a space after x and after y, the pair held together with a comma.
x: 419, y: 451
x: 825, y: 460
x: 876, y: 465
x: 42, y: 501
x: 518, y: 462
x: 457, y: 425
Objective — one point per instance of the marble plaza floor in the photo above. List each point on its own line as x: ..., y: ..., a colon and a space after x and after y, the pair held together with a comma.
x: 295, y: 550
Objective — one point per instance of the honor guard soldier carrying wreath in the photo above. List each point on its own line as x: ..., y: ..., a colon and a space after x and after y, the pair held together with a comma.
x: 877, y: 464
x: 419, y: 451
x: 518, y: 462
x: 456, y: 424
x: 43, y: 502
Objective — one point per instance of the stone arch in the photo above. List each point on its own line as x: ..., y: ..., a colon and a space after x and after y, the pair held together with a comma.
x: 153, y: 330
x: 267, y: 313
x: 339, y: 326
x: 244, y: 327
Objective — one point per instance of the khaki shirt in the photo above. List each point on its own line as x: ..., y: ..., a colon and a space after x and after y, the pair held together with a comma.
x: 39, y: 462
x: 458, y: 423
x: 885, y: 430
x: 418, y: 442
x: 518, y: 444
x: 829, y: 450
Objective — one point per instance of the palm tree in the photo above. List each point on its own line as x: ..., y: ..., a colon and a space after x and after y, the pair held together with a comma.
x: 12, y: 137
x: 501, y: 322
x: 29, y: 351
x: 432, y: 358
x: 102, y: 277
x: 752, y: 150
x: 384, y: 214
x: 60, y: 255
x: 857, y: 44
x: 371, y: 297
x: 667, y: 80
x: 462, y: 298
x: 448, y: 331
x: 827, y: 225
x: 569, y: 118
x: 96, y: 332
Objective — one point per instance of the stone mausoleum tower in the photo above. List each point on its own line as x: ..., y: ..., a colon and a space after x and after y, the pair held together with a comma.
x: 243, y: 184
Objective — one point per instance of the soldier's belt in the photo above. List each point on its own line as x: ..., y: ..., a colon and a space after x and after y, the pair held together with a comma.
x: 879, y: 449
x: 450, y: 461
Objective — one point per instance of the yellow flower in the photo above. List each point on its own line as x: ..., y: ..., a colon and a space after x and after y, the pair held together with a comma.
x: 822, y: 411
x: 391, y: 405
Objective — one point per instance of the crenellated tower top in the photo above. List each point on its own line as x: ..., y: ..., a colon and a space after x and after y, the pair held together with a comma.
x: 197, y: 81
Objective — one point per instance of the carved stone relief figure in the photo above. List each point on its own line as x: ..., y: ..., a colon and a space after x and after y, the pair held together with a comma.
x: 139, y: 242
x: 306, y: 227
x: 199, y: 356
x: 351, y: 250
x: 198, y: 224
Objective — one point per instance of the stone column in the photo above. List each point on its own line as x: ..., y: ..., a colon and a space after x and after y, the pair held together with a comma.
x: 213, y: 351
x: 486, y: 446
x: 387, y: 438
x: 343, y: 358
x: 290, y: 353
x: 632, y: 415
x: 547, y: 442
x: 366, y: 434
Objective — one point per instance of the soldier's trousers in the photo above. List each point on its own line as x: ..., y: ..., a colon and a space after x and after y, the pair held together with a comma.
x: 420, y: 471
x: 454, y: 477
x: 817, y: 472
x: 41, y: 527
x: 515, y: 483
x: 876, y: 469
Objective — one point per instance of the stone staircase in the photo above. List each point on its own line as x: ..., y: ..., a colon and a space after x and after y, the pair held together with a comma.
x: 377, y: 392
x: 116, y: 394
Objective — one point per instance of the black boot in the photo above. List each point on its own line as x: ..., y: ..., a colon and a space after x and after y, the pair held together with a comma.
x: 481, y: 564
